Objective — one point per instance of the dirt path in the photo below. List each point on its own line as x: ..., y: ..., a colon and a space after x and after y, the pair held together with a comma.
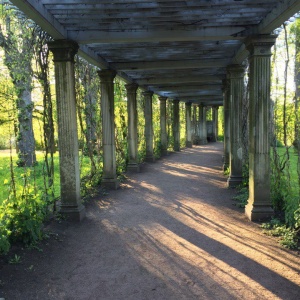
x: 170, y: 232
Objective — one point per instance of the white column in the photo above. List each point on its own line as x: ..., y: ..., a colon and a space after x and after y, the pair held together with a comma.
x: 149, y: 126
x: 226, y: 96
x: 163, y: 126
x: 176, y: 125
x: 188, y: 131
x: 109, y: 177
x: 64, y: 52
x: 236, y: 91
x: 202, y: 125
x: 132, y: 138
x: 259, y: 205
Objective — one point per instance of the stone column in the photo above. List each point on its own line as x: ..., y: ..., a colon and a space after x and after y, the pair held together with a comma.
x: 259, y: 205
x: 188, y: 126
x: 176, y: 125
x: 215, y: 110
x: 163, y: 126
x: 148, y: 126
x: 236, y: 78
x: 226, y: 96
x: 109, y: 177
x: 132, y: 138
x: 202, y: 125
x: 195, y: 125
x: 64, y: 52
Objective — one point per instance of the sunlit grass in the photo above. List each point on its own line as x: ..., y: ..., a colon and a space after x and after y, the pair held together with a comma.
x: 35, y: 176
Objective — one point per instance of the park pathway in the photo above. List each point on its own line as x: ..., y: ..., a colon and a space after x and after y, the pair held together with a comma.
x: 170, y: 232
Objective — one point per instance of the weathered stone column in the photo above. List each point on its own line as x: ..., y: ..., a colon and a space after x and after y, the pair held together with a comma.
x: 163, y: 126
x: 236, y: 78
x: 109, y: 177
x: 132, y: 138
x: 259, y: 205
x: 148, y: 126
x: 226, y: 107
x: 202, y: 125
x: 195, y: 125
x: 215, y: 110
x: 64, y: 52
x: 176, y: 125
x: 188, y: 126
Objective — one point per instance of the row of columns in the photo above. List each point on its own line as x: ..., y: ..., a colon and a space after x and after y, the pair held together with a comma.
x: 200, y: 124
x: 71, y: 205
x: 259, y: 203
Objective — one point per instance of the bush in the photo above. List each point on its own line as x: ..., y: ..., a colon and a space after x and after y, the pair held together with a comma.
x: 21, y: 220
x: 287, y: 236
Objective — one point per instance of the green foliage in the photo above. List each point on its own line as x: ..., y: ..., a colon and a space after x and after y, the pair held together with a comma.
x: 287, y: 235
x: 22, y: 218
x: 242, y: 197
x: 15, y: 260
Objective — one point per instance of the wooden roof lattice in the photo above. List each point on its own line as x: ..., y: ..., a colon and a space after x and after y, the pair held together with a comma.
x: 177, y: 49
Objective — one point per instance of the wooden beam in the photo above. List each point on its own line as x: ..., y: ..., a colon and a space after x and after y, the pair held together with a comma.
x: 173, y: 80
x: 204, y: 34
x: 165, y: 65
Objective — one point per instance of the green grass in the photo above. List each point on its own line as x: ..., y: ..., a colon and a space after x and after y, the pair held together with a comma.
x: 34, y: 175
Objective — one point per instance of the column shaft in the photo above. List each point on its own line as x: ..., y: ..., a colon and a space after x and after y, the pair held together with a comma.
x: 236, y: 78
x: 259, y: 205
x: 149, y: 126
x: 195, y: 125
x: 202, y: 125
x: 132, y: 138
x: 188, y: 130
x: 226, y: 96
x: 215, y: 111
x: 109, y: 178
x: 64, y: 52
x: 176, y: 125
x: 163, y: 126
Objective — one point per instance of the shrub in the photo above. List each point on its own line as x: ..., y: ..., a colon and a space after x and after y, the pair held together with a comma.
x: 21, y: 219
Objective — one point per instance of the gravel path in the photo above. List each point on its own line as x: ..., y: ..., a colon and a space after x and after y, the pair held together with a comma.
x: 169, y: 232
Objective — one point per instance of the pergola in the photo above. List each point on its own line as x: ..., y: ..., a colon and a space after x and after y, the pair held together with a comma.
x: 191, y: 51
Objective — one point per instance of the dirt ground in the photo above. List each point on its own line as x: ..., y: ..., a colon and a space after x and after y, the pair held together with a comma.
x: 169, y: 232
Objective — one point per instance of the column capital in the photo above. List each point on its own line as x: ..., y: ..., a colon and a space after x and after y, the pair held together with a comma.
x: 176, y: 101
x: 188, y: 104
x: 147, y: 94
x: 235, y: 71
x: 131, y: 87
x: 107, y: 75
x: 260, y: 45
x: 63, y: 50
x: 162, y: 98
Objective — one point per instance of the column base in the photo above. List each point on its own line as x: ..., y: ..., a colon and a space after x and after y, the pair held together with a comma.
x: 73, y: 213
x: 259, y: 212
x: 189, y: 144
x: 110, y: 183
x: 150, y: 158
x: 233, y: 182
x: 133, y: 167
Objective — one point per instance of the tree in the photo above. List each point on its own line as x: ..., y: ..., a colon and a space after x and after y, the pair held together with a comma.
x: 17, y: 38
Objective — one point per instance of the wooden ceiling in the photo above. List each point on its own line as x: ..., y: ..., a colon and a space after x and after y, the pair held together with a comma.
x: 178, y: 49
